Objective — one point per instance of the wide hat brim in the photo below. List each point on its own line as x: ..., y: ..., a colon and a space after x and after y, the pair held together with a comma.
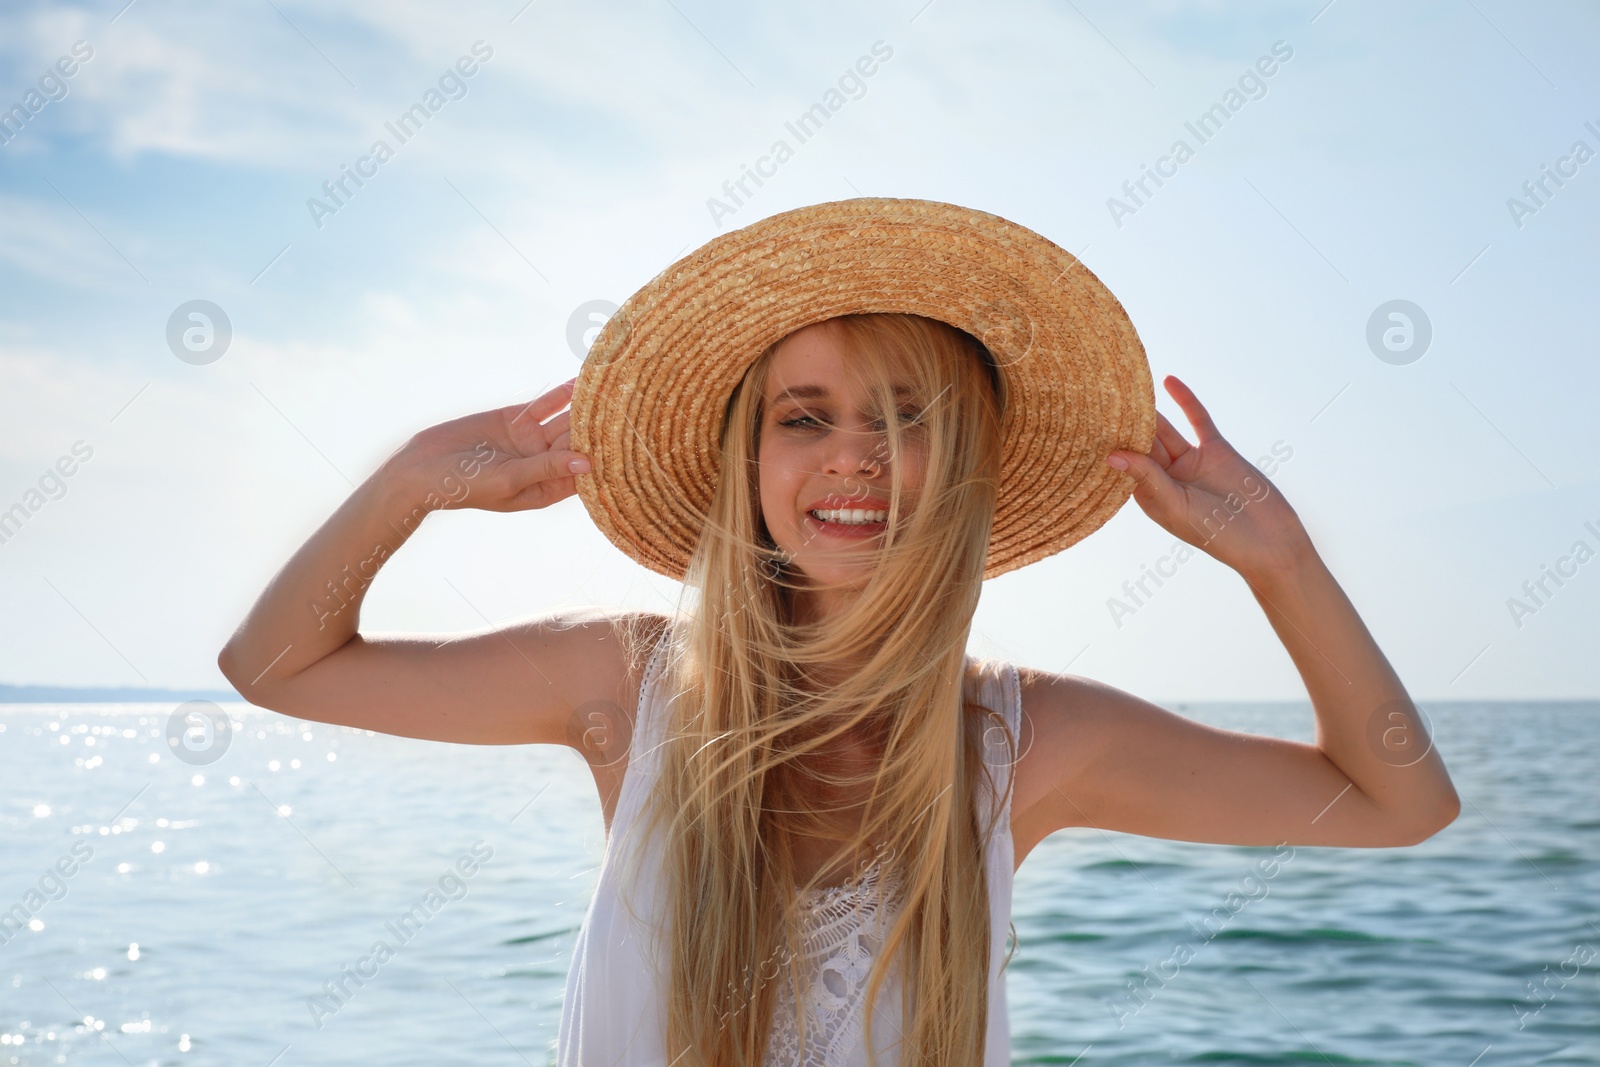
x: 648, y: 403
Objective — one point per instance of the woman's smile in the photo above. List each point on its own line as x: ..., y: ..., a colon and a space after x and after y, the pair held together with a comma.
x: 845, y: 526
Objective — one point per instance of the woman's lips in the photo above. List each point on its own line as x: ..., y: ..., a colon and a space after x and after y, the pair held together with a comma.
x: 855, y: 531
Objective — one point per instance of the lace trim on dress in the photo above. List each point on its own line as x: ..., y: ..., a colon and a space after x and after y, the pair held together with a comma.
x: 844, y: 927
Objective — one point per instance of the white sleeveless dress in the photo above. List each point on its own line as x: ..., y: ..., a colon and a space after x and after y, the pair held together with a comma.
x: 614, y: 1014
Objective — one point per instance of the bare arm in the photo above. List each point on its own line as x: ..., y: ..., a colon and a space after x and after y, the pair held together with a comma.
x: 1371, y: 779
x: 1104, y: 758
x: 299, y: 651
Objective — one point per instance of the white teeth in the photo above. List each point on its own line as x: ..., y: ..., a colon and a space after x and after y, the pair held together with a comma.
x: 854, y: 516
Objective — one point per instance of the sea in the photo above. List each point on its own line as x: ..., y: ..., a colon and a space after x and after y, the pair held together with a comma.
x: 267, y: 892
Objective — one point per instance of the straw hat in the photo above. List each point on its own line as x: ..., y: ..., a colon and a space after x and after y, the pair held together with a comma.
x: 648, y: 404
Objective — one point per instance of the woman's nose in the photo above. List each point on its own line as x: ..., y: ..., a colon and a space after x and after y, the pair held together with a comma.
x: 859, y: 451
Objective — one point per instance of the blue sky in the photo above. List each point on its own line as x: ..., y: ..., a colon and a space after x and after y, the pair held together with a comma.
x: 1374, y: 164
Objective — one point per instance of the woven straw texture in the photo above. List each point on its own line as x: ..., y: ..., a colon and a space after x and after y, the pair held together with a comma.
x: 648, y: 403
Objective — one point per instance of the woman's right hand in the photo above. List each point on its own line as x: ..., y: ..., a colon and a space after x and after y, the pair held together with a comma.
x: 506, y: 459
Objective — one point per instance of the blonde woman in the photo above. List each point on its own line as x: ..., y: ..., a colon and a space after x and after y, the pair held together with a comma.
x: 832, y: 426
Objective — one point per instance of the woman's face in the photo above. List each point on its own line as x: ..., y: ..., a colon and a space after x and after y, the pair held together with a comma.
x: 822, y: 449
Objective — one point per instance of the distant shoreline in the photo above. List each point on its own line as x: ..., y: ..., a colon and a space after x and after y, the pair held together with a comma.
x: 56, y: 694
x: 59, y: 694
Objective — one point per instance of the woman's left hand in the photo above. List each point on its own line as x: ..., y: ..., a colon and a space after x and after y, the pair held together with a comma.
x: 1210, y: 496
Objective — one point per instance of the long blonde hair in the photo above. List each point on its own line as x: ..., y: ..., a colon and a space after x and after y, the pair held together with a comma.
x: 757, y: 704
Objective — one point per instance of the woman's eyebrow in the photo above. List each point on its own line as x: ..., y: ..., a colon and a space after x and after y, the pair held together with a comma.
x: 820, y: 392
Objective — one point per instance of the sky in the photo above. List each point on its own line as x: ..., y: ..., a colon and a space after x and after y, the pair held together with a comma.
x: 1394, y: 153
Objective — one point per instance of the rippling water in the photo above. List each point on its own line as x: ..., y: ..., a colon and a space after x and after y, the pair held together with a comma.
x: 203, y: 913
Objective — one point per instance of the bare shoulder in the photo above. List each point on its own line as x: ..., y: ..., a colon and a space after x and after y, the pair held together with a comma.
x: 570, y: 662
x: 635, y: 636
x: 609, y: 652
x: 601, y: 723
x: 1060, y: 716
x: 1072, y: 727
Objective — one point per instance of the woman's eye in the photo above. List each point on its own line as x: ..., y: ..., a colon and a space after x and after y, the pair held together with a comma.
x: 808, y: 421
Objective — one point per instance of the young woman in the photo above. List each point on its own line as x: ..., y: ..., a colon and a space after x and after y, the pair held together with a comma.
x: 815, y: 800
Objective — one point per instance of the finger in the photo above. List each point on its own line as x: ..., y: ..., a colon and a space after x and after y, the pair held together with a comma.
x: 522, y: 474
x: 1199, y: 418
x: 1170, y: 438
x: 556, y: 428
x: 543, y: 494
x: 542, y: 407
x: 1155, y: 488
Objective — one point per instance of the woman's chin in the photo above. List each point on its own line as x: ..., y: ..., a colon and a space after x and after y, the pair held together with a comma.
x: 833, y: 573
